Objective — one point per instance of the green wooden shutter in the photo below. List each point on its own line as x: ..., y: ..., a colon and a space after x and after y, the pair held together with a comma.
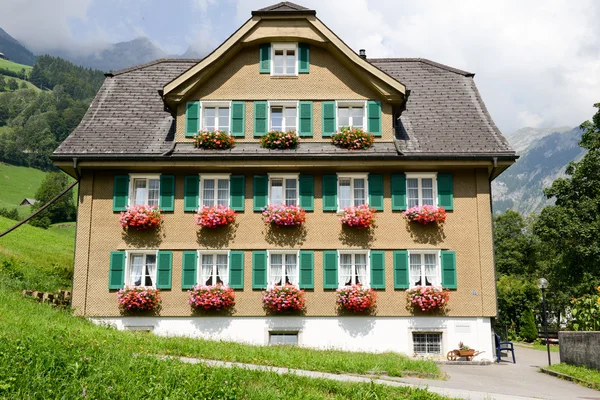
x: 328, y: 114
x: 374, y: 118
x: 237, y: 191
x: 445, y: 191
x: 307, y: 268
x: 377, y: 269
x: 307, y: 192
x: 305, y: 114
x: 259, y: 269
x: 163, y: 269
x: 401, y: 280
x: 329, y: 191
x: 303, y: 58
x: 261, y: 125
x: 399, y: 192
x: 189, y: 270
x: 238, y: 118
x: 449, y: 269
x: 236, y: 269
x: 121, y: 192
x: 192, y: 118
x: 191, y: 189
x: 376, y: 191
x: 261, y: 192
x: 167, y: 193
x: 264, y: 56
x: 330, y: 269
x: 116, y: 274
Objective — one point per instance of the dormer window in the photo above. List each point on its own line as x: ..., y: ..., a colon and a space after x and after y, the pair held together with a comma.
x: 285, y: 59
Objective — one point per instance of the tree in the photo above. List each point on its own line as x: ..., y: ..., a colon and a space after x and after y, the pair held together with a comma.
x: 62, y: 209
x: 12, y: 84
x: 2, y: 83
x: 23, y: 85
x: 528, y: 331
x: 515, y: 245
x: 515, y: 296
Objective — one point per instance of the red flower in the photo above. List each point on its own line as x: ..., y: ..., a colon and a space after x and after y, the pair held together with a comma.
x: 285, y: 298
x: 428, y: 298
x: 215, y: 297
x: 356, y: 298
x: 141, y: 217
x: 138, y: 299
x: 426, y: 214
x: 353, y: 139
x: 282, y: 215
x: 360, y: 217
x: 214, y: 140
x: 215, y: 216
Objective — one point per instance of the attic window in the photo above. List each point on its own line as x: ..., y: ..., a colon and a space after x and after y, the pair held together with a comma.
x: 285, y: 59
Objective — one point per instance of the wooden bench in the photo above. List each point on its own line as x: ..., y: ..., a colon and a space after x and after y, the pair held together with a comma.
x: 552, y: 337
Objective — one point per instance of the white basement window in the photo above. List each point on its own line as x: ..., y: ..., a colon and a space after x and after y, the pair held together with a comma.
x: 427, y: 343
x: 141, y: 268
x: 145, y: 190
x: 283, y: 338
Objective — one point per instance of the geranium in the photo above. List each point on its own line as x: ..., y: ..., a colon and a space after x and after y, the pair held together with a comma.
x: 356, y: 298
x: 214, y: 216
x: 214, y: 140
x: 360, y: 217
x: 426, y: 214
x: 135, y: 299
x: 211, y: 298
x: 141, y: 217
x: 281, y: 299
x: 428, y: 298
x: 353, y: 139
x: 282, y: 215
x: 279, y: 140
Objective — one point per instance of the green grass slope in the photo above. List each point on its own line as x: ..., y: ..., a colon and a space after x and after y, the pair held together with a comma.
x: 18, y: 183
x: 13, y: 66
x: 48, y: 353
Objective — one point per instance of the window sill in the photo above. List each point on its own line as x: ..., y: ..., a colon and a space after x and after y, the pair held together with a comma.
x: 284, y: 76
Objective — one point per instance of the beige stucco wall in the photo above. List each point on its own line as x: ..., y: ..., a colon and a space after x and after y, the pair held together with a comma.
x: 329, y: 79
x: 467, y: 231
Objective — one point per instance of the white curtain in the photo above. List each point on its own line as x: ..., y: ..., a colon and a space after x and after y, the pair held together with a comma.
x: 139, y: 192
x: 357, y: 117
x: 290, y: 192
x: 431, y: 275
x: 208, y: 194
x: 291, y: 268
x: 345, y: 269
x: 412, y: 186
x: 415, y: 269
x: 223, y: 192
x: 276, y: 191
x: 345, y: 197
x: 151, y: 266
x: 276, y: 270
x: 137, y: 264
x: 207, y: 269
x: 359, y: 192
x: 222, y: 270
x: 360, y: 261
x: 153, y: 192
x: 427, y: 190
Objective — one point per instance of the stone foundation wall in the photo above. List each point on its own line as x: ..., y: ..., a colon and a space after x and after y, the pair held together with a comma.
x: 580, y: 348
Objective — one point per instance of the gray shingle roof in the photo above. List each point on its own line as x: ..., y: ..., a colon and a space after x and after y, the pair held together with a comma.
x: 444, y: 117
x: 283, y: 7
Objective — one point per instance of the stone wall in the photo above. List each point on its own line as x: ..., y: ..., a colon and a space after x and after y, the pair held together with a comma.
x: 580, y: 348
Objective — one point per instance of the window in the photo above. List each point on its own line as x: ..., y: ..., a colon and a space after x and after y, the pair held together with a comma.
x: 141, y: 269
x: 352, y: 190
x: 215, y: 190
x: 424, y: 268
x: 427, y: 343
x: 145, y: 189
x: 420, y: 189
x: 283, y: 268
x: 351, y: 114
x: 283, y: 338
x: 215, y: 116
x: 283, y: 189
x: 285, y: 59
x: 284, y: 117
x: 214, y: 268
x: 354, y: 268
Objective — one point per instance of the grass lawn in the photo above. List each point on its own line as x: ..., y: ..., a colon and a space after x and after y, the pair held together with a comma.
x: 585, y: 374
x: 18, y: 183
x: 536, y: 346
x: 47, y: 353
x: 13, y: 66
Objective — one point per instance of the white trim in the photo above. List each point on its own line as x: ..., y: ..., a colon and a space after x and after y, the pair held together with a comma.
x: 419, y: 176
x: 203, y: 177
x: 284, y: 104
x: 208, y: 252
x: 217, y: 104
x: 284, y: 46
x: 352, y: 176
x: 284, y: 176
x: 295, y: 252
x: 438, y: 253
x: 367, y: 284
x: 129, y: 253
x: 131, y: 188
x: 351, y: 103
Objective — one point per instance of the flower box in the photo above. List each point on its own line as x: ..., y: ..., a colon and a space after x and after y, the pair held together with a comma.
x: 353, y: 139
x: 283, y: 299
x: 214, y: 140
x: 356, y: 299
x: 428, y: 298
x: 279, y: 140
x: 141, y: 217
x: 214, y: 216
x: 426, y: 214
x: 138, y: 299
x: 211, y: 298
x: 359, y: 217
x: 280, y: 215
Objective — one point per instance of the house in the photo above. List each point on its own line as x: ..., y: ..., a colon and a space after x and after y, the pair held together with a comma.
x: 283, y: 69
x: 3, y: 57
x: 28, y: 202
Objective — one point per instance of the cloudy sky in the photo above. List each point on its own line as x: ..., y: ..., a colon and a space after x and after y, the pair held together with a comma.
x: 537, y: 62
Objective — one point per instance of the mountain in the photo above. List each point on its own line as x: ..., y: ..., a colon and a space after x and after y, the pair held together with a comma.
x: 14, y: 50
x: 543, y: 158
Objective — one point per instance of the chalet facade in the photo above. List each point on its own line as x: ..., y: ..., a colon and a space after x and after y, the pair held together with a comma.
x: 435, y: 144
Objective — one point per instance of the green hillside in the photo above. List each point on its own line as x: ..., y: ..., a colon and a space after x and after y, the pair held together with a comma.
x: 18, y: 183
x: 14, y: 67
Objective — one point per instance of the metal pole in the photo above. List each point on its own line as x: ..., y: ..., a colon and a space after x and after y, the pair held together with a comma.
x: 546, y: 326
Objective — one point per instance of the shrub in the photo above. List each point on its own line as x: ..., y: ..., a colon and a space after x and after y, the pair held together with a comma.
x: 141, y: 217
x: 426, y: 214
x: 359, y: 217
x: 585, y: 311
x: 528, y: 331
x: 40, y: 222
x: 10, y: 213
x: 211, y: 298
x: 280, y: 140
x: 281, y: 215
x: 353, y: 139
x: 138, y: 299
x: 214, y: 140
x: 356, y: 299
x: 428, y: 298
x: 214, y: 216
x: 282, y: 299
